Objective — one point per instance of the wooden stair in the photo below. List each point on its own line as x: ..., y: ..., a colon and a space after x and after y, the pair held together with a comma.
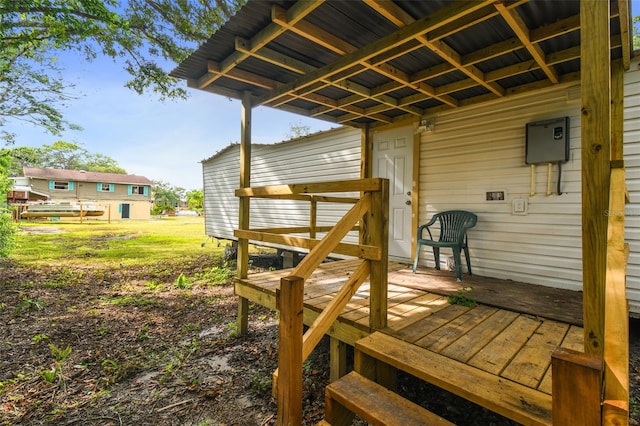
x: 355, y: 394
x: 505, y: 397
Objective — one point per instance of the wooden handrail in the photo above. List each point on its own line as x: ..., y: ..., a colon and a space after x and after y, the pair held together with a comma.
x: 371, y: 207
x: 333, y: 237
x: 359, y: 185
x: 356, y: 250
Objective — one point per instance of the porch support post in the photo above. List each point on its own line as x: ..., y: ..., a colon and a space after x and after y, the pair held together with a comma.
x: 289, y: 394
x: 243, y: 217
x: 596, y: 156
x: 378, y: 223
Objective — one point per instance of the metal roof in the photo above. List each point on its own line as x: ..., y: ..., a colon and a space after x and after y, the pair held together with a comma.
x: 382, y: 61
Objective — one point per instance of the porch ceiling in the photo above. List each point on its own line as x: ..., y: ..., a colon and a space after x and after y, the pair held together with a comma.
x: 381, y: 61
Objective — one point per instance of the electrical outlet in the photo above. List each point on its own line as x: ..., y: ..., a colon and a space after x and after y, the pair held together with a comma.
x: 519, y: 206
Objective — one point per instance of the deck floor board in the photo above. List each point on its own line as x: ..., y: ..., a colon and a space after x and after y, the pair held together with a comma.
x: 505, y: 341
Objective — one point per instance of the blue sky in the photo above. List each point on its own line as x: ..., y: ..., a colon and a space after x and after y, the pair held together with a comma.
x: 160, y: 140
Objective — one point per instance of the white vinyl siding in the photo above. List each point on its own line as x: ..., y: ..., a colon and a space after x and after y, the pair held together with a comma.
x: 325, y: 156
x: 474, y: 150
x: 632, y: 166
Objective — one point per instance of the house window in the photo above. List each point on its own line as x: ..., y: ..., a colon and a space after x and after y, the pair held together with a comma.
x: 60, y: 185
x: 106, y: 187
x: 138, y: 190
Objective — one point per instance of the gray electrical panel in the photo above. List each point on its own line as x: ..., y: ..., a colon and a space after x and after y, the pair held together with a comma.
x: 548, y: 141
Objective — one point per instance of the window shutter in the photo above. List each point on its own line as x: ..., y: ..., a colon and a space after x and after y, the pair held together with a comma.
x: 146, y: 190
x: 112, y: 187
x: 99, y: 187
x: 120, y: 208
x: 70, y: 186
x: 52, y: 184
x: 129, y: 190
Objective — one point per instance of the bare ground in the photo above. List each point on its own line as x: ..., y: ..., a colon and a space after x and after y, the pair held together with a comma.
x: 130, y: 346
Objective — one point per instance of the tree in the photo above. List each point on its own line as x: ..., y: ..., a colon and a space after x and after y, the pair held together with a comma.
x: 195, y: 199
x: 297, y: 130
x: 165, y: 197
x: 636, y: 32
x: 61, y: 155
x: 148, y: 36
x: 7, y: 227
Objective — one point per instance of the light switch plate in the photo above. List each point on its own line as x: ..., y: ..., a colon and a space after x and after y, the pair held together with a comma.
x: 519, y: 206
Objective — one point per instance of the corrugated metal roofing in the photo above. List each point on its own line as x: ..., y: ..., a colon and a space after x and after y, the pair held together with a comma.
x: 82, y: 176
x: 341, y: 60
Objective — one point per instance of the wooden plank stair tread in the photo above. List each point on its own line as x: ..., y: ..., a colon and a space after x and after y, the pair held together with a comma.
x: 377, y: 404
x: 505, y: 397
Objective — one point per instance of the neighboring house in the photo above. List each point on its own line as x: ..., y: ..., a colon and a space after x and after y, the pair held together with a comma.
x: 122, y: 196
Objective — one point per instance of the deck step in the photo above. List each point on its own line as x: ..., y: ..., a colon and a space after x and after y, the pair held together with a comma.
x: 505, y: 397
x: 374, y: 403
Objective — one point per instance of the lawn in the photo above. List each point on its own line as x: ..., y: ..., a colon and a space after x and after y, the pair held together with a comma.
x: 117, y: 243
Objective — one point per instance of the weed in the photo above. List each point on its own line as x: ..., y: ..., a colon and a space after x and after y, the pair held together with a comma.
x: 39, y: 337
x: 217, y: 275
x: 261, y: 383
x: 234, y: 329
x: 463, y: 297
x: 154, y: 286
x: 132, y: 301
x: 144, y: 333
x: 55, y: 373
x: 183, y: 282
x: 3, y: 306
x: 179, y: 356
x: 28, y: 305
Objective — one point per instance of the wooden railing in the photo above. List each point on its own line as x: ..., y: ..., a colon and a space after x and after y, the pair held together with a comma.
x: 589, y: 389
x: 370, y: 212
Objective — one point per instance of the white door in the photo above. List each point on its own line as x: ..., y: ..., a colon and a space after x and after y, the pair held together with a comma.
x: 392, y: 159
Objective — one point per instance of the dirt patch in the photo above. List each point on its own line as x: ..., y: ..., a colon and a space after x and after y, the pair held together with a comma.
x: 41, y: 230
x: 135, y: 346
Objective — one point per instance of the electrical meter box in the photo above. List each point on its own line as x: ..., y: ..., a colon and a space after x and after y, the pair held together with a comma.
x: 548, y: 141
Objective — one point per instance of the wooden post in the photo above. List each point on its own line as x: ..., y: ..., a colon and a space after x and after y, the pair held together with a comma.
x: 337, y: 359
x: 617, y: 111
x: 576, y: 384
x: 313, y: 217
x: 243, y: 217
x: 378, y: 224
x: 289, y: 300
x: 596, y: 155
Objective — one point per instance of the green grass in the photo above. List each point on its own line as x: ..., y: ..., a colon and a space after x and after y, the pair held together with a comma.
x: 125, y: 243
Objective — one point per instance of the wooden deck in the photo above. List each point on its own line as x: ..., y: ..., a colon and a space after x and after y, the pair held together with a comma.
x: 493, y: 339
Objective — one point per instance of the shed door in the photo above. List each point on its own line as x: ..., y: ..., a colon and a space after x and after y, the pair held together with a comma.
x: 392, y: 159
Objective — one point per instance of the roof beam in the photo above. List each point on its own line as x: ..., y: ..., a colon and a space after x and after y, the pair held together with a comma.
x: 329, y: 41
x: 405, y: 34
x: 400, y: 18
x: 296, y: 13
x: 519, y: 27
x: 623, y: 17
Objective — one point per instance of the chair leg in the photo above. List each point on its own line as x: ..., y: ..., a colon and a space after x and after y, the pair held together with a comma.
x: 436, y: 257
x: 415, y: 260
x: 458, y: 262
x: 466, y: 256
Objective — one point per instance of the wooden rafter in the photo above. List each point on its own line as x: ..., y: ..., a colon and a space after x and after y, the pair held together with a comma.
x: 296, y: 13
x: 400, y: 18
x: 396, y: 39
x: 519, y: 27
x: 425, y: 33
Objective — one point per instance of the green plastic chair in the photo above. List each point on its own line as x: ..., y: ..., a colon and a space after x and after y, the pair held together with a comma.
x: 453, y: 234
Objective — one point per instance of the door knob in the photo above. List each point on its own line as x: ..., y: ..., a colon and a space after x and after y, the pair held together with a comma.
x: 408, y: 202
x: 409, y: 193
